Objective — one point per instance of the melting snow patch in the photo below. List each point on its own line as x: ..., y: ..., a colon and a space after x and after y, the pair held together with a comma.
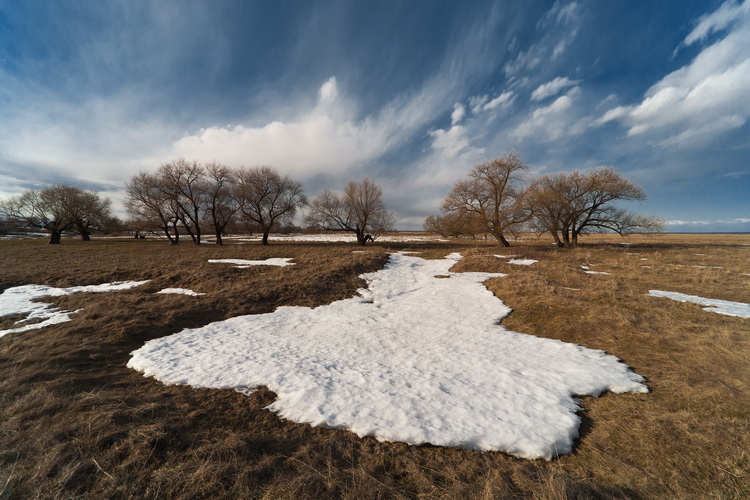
x: 587, y: 271
x: 180, y: 291
x: 726, y: 307
x: 413, y: 358
x: 522, y: 262
x: 242, y: 263
x: 19, y: 300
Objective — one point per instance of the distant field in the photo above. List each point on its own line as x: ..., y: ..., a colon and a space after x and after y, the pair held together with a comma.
x: 75, y: 421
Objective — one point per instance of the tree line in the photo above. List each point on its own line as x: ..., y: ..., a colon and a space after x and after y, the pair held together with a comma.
x: 496, y: 198
x: 187, y: 197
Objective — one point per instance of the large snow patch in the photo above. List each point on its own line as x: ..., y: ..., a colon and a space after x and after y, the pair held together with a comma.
x: 414, y: 358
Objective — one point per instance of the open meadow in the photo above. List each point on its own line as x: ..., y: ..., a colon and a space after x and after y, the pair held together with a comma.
x: 76, y: 421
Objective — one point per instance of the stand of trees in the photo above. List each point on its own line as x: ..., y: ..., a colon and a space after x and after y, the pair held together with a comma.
x: 59, y: 208
x: 184, y: 195
x: 497, y: 197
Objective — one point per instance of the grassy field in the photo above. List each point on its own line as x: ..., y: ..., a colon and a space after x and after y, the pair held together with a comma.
x: 75, y: 422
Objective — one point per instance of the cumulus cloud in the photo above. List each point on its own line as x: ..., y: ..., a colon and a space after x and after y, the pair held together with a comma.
x: 326, y: 139
x: 552, y: 88
x: 704, y: 99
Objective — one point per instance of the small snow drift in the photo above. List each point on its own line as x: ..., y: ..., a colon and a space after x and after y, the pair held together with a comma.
x: 522, y: 262
x: 725, y: 307
x: 180, y: 291
x: 242, y: 263
x: 18, y: 300
x: 414, y: 358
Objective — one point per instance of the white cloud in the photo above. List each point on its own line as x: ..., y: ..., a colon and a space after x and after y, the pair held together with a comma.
x: 559, y: 27
x: 482, y: 103
x: 552, y: 88
x: 699, y: 102
x: 551, y: 122
x: 328, y: 138
x: 724, y: 16
x: 458, y: 113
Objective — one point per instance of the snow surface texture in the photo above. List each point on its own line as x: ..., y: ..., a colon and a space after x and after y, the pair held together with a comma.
x: 180, y: 291
x: 18, y: 300
x: 414, y: 358
x: 726, y: 307
x: 242, y: 263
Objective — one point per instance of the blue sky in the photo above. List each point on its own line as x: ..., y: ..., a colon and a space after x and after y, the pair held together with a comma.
x: 409, y: 93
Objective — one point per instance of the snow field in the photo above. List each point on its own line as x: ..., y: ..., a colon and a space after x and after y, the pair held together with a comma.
x: 413, y: 358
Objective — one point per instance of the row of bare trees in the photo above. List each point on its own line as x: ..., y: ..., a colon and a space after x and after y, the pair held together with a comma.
x: 57, y: 209
x: 185, y: 194
x: 499, y: 198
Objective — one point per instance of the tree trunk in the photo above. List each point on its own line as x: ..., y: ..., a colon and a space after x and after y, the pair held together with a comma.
x: 556, y: 237
x: 219, y: 241
x: 176, y: 239
x: 566, y: 238
x: 264, y: 241
x: 54, y: 237
x: 501, y: 239
x: 85, y: 236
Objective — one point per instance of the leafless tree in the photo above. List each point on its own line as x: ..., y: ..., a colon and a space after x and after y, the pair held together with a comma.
x: 569, y: 204
x: 493, y: 193
x: 150, y: 206
x: 57, y: 209
x: 221, y: 203
x: 267, y: 198
x: 89, y: 212
x: 184, y: 183
x: 359, y: 209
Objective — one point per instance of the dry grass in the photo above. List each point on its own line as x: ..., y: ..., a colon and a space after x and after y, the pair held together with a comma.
x: 74, y: 421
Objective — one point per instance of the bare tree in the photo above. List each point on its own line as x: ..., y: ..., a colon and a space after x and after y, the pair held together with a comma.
x: 569, y: 204
x: 89, y: 212
x: 493, y: 193
x: 184, y: 183
x: 268, y: 199
x: 57, y: 209
x: 221, y: 203
x: 359, y: 209
x: 150, y: 206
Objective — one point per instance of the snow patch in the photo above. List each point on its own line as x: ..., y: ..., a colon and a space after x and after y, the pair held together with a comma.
x: 243, y: 264
x: 19, y: 300
x: 180, y: 291
x: 522, y: 262
x: 726, y: 307
x: 413, y: 358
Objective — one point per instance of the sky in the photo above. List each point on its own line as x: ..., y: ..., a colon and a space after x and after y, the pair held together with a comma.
x: 411, y: 94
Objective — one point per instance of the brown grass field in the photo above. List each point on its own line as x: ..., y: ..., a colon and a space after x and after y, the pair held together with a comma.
x: 76, y: 423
